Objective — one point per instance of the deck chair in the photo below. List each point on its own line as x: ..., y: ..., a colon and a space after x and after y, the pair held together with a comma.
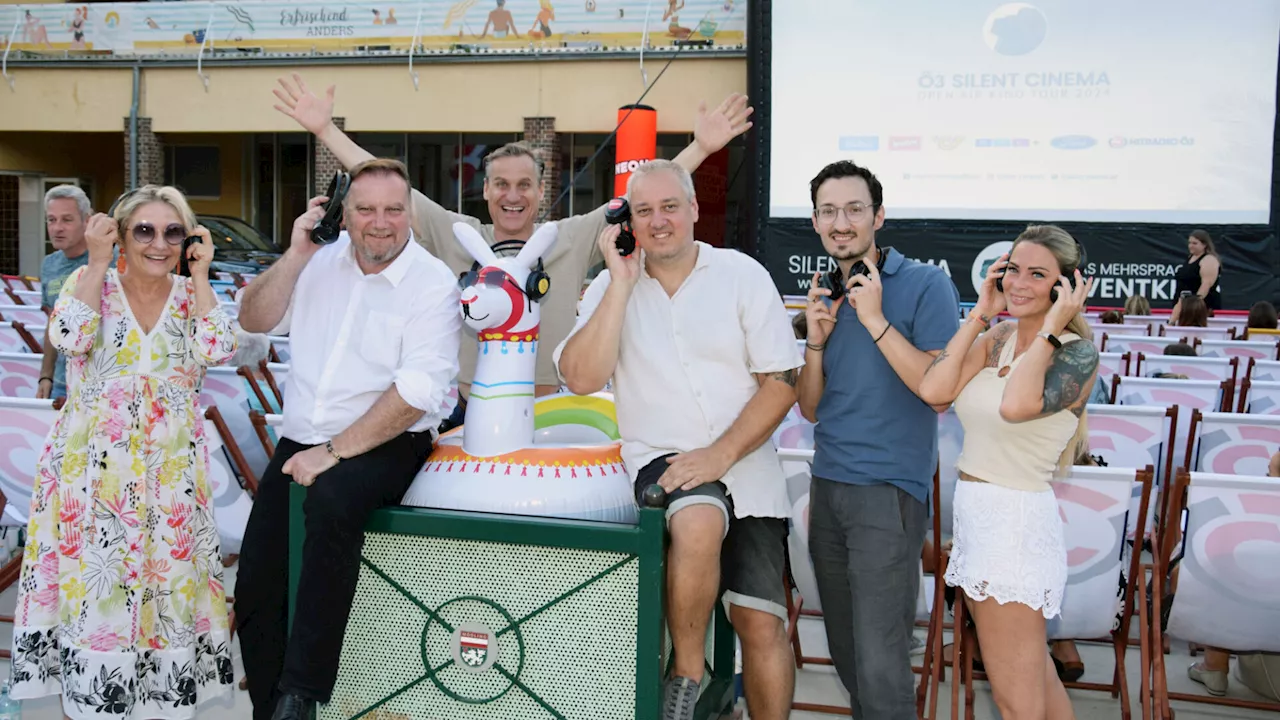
x: 1134, y: 437
x: 1195, y: 368
x: 1257, y: 349
x: 17, y: 338
x: 1096, y: 607
x: 1232, y: 443
x: 231, y: 500
x: 1137, y: 344
x: 1263, y: 370
x: 20, y: 282
x: 1199, y: 333
x: 1112, y: 364
x: 27, y: 297
x: 228, y: 390
x: 1224, y: 592
x: 1259, y: 398
x: 20, y: 374
x: 280, y: 348
x: 25, y: 314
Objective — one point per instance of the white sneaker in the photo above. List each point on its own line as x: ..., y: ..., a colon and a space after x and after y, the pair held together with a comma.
x: 1214, y: 681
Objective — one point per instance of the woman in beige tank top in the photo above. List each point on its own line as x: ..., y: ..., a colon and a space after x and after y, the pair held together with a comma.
x: 1020, y: 391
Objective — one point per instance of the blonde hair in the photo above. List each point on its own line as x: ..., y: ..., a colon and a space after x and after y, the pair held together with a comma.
x: 147, y: 194
x: 1066, y: 251
x: 1137, y: 305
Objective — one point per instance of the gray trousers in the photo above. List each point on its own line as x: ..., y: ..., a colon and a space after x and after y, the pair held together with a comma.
x: 865, y: 541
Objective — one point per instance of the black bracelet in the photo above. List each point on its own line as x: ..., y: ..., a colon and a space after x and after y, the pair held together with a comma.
x: 815, y: 348
x: 42, y: 379
x: 886, y: 329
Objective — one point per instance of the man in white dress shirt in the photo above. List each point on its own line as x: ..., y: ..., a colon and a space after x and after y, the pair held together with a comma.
x: 373, y: 322
x: 703, y: 360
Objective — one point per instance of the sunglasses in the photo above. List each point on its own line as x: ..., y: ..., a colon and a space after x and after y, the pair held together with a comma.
x: 145, y: 232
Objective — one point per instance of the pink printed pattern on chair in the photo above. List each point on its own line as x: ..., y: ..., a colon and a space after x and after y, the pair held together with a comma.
x: 24, y: 425
x: 1232, y: 444
x: 19, y: 374
x: 1228, y: 588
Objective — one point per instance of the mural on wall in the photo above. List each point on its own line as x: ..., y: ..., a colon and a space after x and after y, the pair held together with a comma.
x: 440, y: 25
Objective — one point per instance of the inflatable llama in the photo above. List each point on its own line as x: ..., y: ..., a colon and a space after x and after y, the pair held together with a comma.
x: 497, y: 305
x: 557, y: 457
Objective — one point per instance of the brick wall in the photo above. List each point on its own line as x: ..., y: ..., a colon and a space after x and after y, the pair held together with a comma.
x: 326, y: 163
x: 540, y: 134
x: 9, y: 224
x: 150, y: 154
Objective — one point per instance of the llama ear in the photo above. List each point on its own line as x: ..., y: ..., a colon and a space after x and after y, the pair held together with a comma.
x: 537, y: 246
x: 474, y: 243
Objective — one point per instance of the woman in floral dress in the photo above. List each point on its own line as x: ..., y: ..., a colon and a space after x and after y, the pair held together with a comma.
x: 121, y: 606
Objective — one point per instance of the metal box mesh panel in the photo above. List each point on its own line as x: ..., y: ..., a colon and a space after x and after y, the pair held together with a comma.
x: 565, y: 639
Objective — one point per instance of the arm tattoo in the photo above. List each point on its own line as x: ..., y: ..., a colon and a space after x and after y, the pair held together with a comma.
x: 1066, y: 382
x: 999, y: 336
x: 938, y: 360
x: 786, y: 376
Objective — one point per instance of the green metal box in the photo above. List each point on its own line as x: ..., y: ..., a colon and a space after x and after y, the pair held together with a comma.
x: 475, y: 616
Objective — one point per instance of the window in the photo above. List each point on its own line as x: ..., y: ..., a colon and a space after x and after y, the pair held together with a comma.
x: 196, y: 170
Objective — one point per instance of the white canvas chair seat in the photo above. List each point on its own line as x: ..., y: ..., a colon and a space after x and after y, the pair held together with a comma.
x: 12, y: 341
x: 24, y: 427
x: 1256, y: 349
x: 20, y: 374
x: 1137, y: 344
x: 1110, y: 364
x: 1186, y: 395
x: 1195, y: 368
x: 281, y: 345
x: 25, y: 314
x: 1094, y: 506
x: 1132, y: 437
x: 1198, y: 333
x: 1263, y: 370
x: 1260, y: 398
x: 1228, y: 591
x: 231, y: 502
x: 227, y: 390
x: 1235, y: 444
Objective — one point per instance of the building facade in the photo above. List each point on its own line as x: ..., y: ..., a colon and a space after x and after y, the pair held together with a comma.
x: 202, y: 116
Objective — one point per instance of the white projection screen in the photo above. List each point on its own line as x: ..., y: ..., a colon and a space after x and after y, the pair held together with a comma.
x: 1152, y: 111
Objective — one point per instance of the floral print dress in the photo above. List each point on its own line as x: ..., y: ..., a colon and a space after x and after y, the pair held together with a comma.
x: 121, y: 606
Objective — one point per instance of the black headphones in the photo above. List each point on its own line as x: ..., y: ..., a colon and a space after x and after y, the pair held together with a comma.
x: 834, y: 280
x: 330, y: 226
x: 1071, y: 275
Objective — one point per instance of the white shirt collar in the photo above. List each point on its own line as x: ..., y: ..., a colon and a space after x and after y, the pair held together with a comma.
x: 395, y: 272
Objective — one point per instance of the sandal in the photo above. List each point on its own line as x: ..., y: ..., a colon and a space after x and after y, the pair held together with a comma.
x: 1068, y: 671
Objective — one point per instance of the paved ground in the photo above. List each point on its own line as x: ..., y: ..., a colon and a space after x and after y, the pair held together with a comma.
x: 814, y: 684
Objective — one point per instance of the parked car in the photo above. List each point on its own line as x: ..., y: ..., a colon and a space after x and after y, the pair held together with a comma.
x: 239, y: 247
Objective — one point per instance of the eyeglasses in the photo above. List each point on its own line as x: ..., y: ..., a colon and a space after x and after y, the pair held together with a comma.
x: 854, y: 212
x: 145, y: 232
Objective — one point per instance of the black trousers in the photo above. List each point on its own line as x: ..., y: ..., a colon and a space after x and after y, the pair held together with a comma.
x: 337, y: 507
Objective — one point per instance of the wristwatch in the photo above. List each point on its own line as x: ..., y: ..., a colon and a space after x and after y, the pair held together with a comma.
x: 329, y: 446
x: 1053, y: 339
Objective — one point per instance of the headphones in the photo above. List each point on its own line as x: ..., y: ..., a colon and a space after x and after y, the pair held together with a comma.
x: 1071, y: 276
x: 834, y: 280
x: 330, y: 226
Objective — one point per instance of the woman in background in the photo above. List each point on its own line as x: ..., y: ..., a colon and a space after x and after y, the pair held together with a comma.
x: 1199, y: 275
x: 1020, y: 391
x: 1137, y: 305
x: 121, y: 607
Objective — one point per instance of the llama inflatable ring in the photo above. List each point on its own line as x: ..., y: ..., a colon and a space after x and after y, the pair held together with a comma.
x: 558, y: 456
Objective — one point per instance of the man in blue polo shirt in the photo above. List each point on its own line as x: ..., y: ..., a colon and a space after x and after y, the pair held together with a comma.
x: 876, y: 442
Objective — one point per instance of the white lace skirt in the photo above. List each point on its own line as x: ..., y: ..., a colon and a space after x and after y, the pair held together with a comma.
x: 1008, y: 545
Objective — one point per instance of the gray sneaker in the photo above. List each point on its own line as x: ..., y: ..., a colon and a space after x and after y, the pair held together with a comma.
x: 679, y: 697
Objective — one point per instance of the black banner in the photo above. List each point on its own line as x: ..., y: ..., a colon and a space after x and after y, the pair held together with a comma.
x: 1125, y: 260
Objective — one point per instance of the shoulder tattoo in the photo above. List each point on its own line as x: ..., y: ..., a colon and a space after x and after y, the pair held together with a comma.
x: 1067, y: 381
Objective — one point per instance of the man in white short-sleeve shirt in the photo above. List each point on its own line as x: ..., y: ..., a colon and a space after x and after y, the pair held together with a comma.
x: 703, y: 361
